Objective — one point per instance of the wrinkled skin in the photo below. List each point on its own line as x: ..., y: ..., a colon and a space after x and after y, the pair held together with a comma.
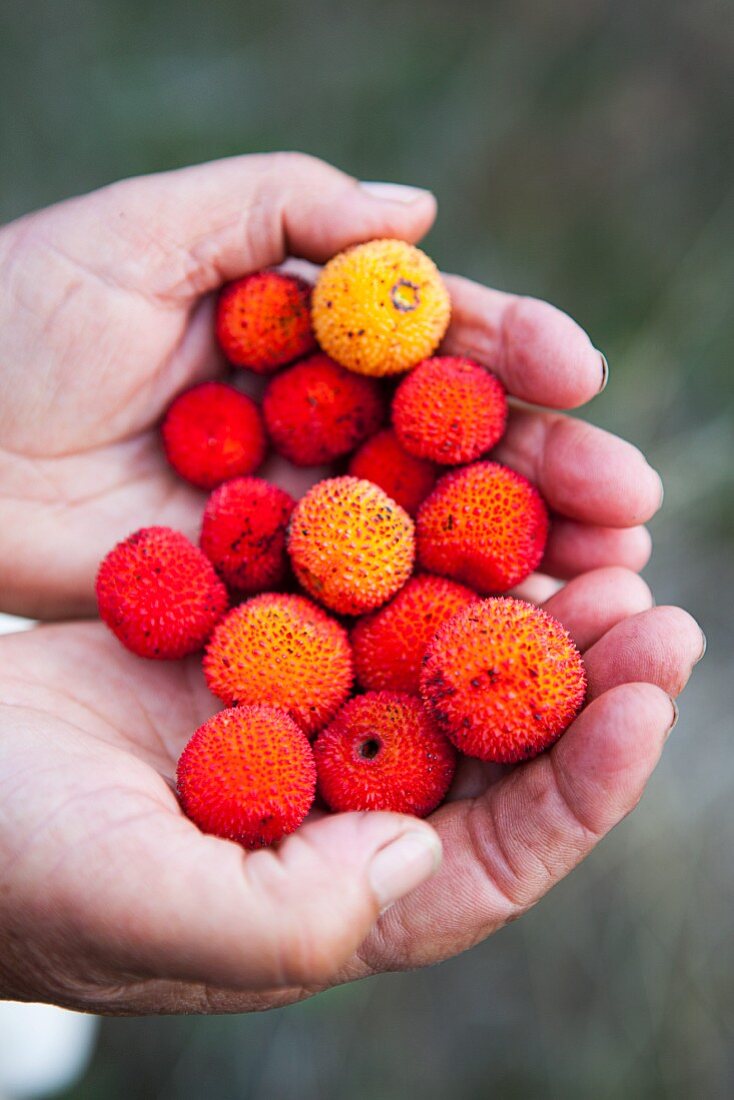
x: 110, y: 900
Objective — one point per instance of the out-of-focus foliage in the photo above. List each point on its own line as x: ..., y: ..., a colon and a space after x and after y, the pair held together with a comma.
x: 581, y: 151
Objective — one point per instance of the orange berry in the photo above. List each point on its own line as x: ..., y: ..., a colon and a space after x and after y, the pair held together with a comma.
x: 449, y: 410
x: 405, y: 478
x: 212, y: 432
x: 383, y: 752
x: 388, y: 646
x: 283, y: 651
x: 159, y: 594
x: 503, y: 679
x: 351, y: 546
x: 483, y: 524
x: 263, y: 321
x: 380, y: 307
x: 316, y: 411
x: 248, y: 774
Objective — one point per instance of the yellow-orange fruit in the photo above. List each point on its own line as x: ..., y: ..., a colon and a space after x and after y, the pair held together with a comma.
x: 351, y: 546
x: 483, y: 524
x: 379, y: 308
x: 503, y: 680
x: 283, y: 651
x: 388, y: 646
x: 449, y: 410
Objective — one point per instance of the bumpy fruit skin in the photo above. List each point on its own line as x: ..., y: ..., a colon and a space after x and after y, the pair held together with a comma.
x: 283, y: 651
x: 316, y: 411
x: 159, y: 594
x: 388, y: 646
x: 248, y: 774
x: 213, y: 432
x: 383, y: 752
x: 503, y: 680
x: 380, y: 307
x: 449, y: 410
x: 351, y: 546
x: 243, y: 533
x: 263, y: 321
x: 484, y: 525
x: 405, y: 478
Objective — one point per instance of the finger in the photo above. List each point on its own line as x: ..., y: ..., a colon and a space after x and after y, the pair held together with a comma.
x: 537, y: 588
x: 659, y: 646
x: 593, y: 603
x: 575, y: 548
x: 221, y: 220
x: 273, y: 918
x: 541, y: 355
x: 583, y: 473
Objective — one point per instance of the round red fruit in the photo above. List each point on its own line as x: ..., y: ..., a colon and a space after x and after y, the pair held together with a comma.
x: 243, y: 533
x: 159, y: 594
x: 405, y: 478
x: 383, y: 752
x: 503, y: 680
x: 263, y: 321
x: 484, y: 525
x: 316, y: 411
x: 248, y: 775
x: 213, y: 432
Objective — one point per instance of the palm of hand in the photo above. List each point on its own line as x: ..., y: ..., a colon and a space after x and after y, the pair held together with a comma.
x: 159, y: 912
x: 114, y: 342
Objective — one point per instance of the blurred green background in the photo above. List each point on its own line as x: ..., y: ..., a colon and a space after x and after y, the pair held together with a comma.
x: 581, y: 151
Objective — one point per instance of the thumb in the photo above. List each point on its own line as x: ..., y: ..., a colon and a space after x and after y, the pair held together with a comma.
x: 288, y: 916
x: 192, y: 229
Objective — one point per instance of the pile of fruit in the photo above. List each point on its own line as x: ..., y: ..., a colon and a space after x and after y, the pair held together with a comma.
x: 367, y: 642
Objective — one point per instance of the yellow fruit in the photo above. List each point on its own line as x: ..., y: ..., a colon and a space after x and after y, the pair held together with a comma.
x: 351, y: 546
x: 380, y: 307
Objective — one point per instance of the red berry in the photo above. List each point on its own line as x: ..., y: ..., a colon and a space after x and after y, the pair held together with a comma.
x: 213, y: 432
x: 264, y: 321
x: 243, y: 533
x: 159, y: 594
x: 503, y: 679
x: 388, y: 646
x: 484, y: 525
x: 405, y: 478
x: 248, y: 775
x: 383, y: 752
x: 317, y: 411
x: 284, y: 651
x: 450, y: 410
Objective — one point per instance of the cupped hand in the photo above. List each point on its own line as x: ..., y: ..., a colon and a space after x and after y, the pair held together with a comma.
x: 112, y: 901
x: 106, y: 314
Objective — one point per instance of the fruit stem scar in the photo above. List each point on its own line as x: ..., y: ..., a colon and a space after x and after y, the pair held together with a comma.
x: 405, y: 296
x: 369, y: 748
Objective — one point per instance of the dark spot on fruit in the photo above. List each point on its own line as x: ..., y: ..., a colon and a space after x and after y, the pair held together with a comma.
x: 369, y: 749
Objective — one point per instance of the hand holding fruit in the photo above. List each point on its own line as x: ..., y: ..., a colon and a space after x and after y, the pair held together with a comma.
x: 139, y: 910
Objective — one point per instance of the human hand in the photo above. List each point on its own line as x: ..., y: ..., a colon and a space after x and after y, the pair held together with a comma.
x: 107, y: 314
x: 114, y: 902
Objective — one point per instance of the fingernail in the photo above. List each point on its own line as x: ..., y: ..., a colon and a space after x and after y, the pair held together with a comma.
x: 676, y: 715
x: 402, y: 865
x: 393, y: 192
x: 662, y: 493
x: 703, y: 648
x: 604, y: 372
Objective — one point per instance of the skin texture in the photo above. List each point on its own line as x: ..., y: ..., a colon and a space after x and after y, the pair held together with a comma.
x: 111, y: 900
